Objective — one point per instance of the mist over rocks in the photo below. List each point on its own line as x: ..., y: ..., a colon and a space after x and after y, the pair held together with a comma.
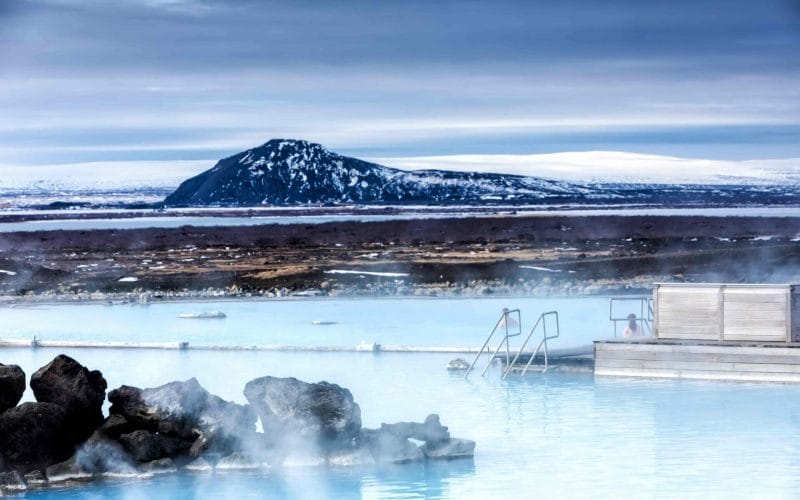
x: 181, y: 426
x: 184, y: 410
x: 322, y: 411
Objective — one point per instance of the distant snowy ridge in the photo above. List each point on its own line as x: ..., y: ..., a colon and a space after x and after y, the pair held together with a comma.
x: 613, y: 167
x: 582, y: 167
x: 99, y: 176
x: 288, y: 172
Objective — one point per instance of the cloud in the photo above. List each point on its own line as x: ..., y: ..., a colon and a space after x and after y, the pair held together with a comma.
x: 97, y: 79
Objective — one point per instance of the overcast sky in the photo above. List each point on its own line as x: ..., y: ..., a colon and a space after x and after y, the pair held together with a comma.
x: 121, y: 80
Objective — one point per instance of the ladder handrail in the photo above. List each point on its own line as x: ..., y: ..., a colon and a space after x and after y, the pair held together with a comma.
x: 543, y: 321
x: 502, y: 321
x: 646, y: 312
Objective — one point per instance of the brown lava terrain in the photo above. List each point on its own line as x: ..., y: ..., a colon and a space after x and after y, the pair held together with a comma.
x: 539, y: 255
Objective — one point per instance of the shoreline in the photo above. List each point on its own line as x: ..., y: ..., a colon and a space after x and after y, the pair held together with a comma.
x: 129, y: 300
x: 516, y: 255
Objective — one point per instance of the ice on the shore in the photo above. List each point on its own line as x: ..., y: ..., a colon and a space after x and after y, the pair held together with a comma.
x: 538, y: 268
x: 128, y: 279
x: 367, y: 273
x: 9, y: 273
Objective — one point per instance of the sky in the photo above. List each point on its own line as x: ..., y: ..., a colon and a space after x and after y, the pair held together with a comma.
x: 186, y: 80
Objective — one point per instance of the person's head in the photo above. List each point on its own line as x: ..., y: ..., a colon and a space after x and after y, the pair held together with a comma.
x: 632, y: 322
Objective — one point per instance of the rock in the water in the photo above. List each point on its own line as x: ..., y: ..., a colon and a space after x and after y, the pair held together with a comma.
x: 238, y: 461
x: 35, y: 478
x: 387, y: 447
x: 146, y: 446
x: 322, y: 411
x: 185, y: 410
x: 102, y: 455
x: 115, y: 426
x: 356, y: 457
x: 12, y: 386
x: 303, y: 457
x: 11, y: 483
x: 458, y: 364
x: 68, y: 470
x: 72, y: 386
x: 452, y: 448
x: 160, y: 466
x: 199, y: 465
x: 33, y: 436
x: 431, y: 431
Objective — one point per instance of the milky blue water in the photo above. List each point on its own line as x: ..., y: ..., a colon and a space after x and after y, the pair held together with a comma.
x: 555, y: 435
x: 415, y: 322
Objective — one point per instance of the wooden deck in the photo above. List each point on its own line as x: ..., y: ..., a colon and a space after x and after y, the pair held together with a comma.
x: 738, y: 361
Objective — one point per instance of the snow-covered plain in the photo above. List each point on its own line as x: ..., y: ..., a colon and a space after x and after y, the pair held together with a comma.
x: 614, y: 167
x: 586, y: 166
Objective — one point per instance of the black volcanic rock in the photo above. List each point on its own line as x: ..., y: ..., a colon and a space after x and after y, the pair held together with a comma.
x: 292, y: 172
x: 12, y: 386
x: 75, y: 388
x: 184, y: 410
x: 34, y: 435
x: 322, y: 412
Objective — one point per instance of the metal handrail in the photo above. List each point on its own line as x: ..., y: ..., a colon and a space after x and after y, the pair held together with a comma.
x: 646, y: 312
x: 543, y: 321
x: 503, y: 322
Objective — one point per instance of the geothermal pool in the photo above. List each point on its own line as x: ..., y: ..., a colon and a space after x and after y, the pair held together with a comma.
x: 424, y: 322
x: 559, y: 435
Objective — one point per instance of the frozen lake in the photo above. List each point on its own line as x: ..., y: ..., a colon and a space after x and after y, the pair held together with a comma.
x: 563, y: 435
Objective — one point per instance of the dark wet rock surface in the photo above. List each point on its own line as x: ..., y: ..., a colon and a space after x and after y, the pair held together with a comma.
x: 81, y: 393
x: 12, y: 386
x: 34, y: 435
x: 180, y: 425
x: 322, y: 411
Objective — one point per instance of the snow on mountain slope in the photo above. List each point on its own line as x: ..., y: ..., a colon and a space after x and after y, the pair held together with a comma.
x: 290, y: 172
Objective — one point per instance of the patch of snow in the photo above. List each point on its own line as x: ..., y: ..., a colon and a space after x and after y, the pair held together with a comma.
x: 128, y: 279
x: 538, y: 268
x: 366, y: 273
x: 9, y: 273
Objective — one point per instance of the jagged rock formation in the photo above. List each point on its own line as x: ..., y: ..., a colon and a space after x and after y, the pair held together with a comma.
x: 292, y: 172
x: 181, y: 425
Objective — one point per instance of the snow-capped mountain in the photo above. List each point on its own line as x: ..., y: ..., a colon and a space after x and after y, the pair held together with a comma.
x: 293, y: 172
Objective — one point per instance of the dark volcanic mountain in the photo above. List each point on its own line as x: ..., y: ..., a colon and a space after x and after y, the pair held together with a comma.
x: 292, y: 172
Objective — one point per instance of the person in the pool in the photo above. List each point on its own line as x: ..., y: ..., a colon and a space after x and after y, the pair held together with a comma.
x: 632, y: 330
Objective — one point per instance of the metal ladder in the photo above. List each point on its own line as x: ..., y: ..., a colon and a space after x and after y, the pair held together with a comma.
x: 506, y: 322
x: 541, y: 321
